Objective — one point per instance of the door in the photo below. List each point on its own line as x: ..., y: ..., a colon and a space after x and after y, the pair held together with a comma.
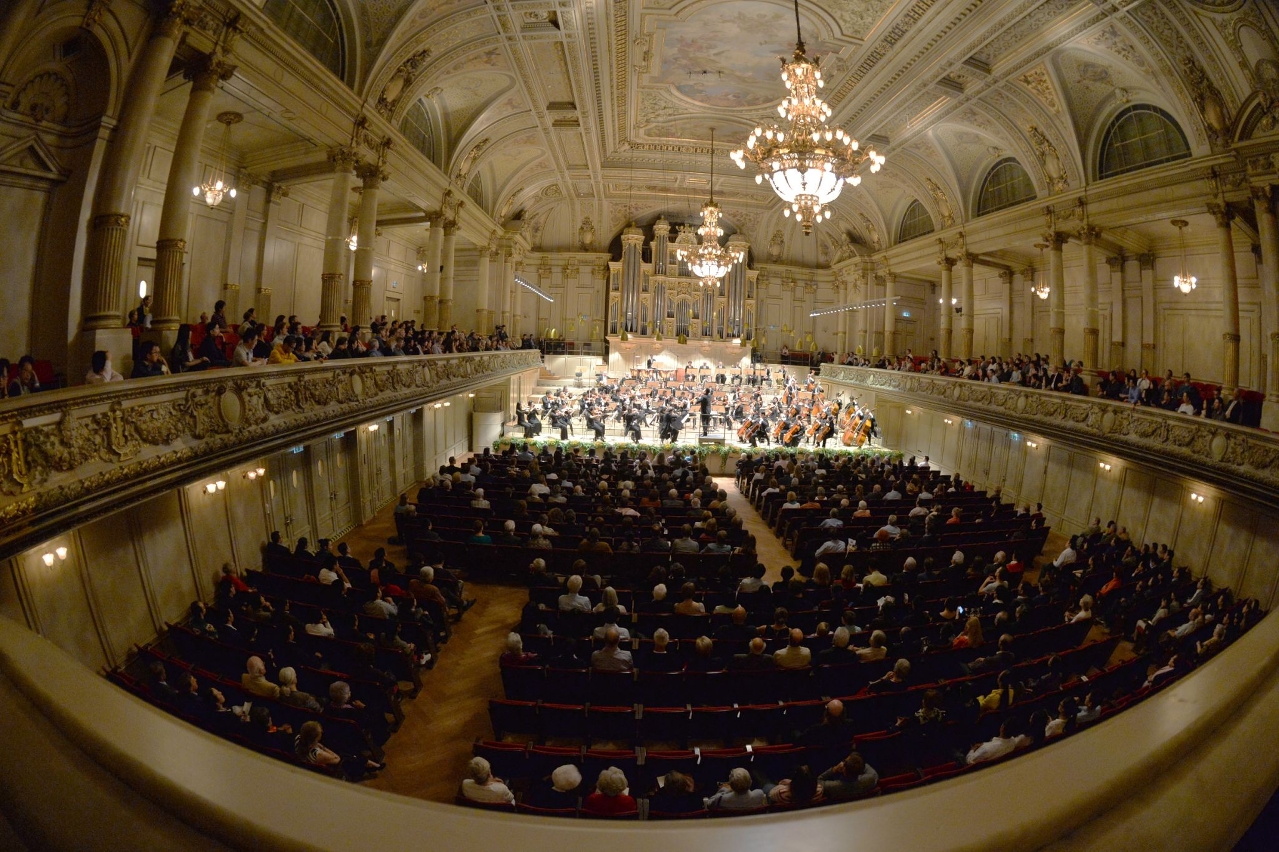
x: 331, y: 487
x: 287, y: 501
x: 391, y: 308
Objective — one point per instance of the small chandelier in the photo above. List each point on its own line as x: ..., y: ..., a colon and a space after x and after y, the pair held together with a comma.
x: 1183, y: 281
x: 1041, y: 288
x: 808, y: 162
x: 217, y: 186
x: 353, y: 233
x: 709, y: 261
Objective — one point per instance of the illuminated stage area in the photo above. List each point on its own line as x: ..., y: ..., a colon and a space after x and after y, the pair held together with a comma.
x: 669, y: 354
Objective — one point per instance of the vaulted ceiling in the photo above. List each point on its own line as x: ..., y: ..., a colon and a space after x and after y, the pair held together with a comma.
x: 558, y: 110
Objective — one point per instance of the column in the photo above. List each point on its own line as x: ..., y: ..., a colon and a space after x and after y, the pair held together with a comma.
x: 1147, y: 263
x: 270, y: 220
x: 1268, y: 234
x: 184, y: 174
x: 1118, y: 317
x: 521, y: 299
x: 890, y: 315
x: 947, y: 265
x: 1056, y: 300
x: 1229, y: 299
x: 106, y: 254
x: 1028, y: 312
x: 1006, y: 322
x: 1092, y: 313
x: 371, y: 177
x: 431, y: 277
x: 967, y: 301
x: 863, y: 316
x: 482, y: 289
x: 632, y: 256
x: 333, y: 275
x: 841, y: 333
x: 503, y: 275
x: 446, y: 275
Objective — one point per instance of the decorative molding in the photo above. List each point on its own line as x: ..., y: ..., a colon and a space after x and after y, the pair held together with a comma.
x: 67, y: 456
x: 1244, y: 461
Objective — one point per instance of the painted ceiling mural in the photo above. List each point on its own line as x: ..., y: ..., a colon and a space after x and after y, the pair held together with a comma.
x: 942, y: 87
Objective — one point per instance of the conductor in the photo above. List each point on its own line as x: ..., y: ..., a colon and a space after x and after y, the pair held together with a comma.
x: 704, y: 406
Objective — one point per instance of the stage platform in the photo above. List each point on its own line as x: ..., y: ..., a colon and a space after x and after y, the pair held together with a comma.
x: 636, y: 352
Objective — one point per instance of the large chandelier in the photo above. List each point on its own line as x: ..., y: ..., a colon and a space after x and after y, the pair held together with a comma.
x: 1183, y: 281
x: 1041, y: 287
x: 808, y: 162
x: 217, y: 186
x: 709, y: 261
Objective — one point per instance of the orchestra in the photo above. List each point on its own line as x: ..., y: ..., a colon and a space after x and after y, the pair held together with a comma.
x: 799, y: 415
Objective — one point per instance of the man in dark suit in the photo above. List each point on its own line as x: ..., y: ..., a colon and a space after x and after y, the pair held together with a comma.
x: 1234, y: 409
x: 753, y: 660
x: 838, y: 653
x: 704, y: 406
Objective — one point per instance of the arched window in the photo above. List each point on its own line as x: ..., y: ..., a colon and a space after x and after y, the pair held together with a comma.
x: 315, y: 25
x: 1006, y: 185
x: 475, y: 189
x: 915, y: 223
x: 416, y: 127
x: 1140, y: 136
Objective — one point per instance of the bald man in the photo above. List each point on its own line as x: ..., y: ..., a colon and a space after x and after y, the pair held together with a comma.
x: 611, y: 658
x: 754, y: 659
x: 794, y: 655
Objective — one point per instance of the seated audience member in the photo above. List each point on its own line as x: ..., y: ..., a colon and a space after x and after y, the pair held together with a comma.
x: 1009, y: 739
x: 558, y: 791
x: 26, y: 381
x: 480, y: 785
x: 687, y: 604
x: 738, y: 794
x: 254, y: 679
x: 100, y: 370
x: 851, y: 778
x: 799, y: 790
x: 573, y: 600
x: 290, y: 694
x: 611, y: 658
x: 148, y: 363
x: 839, y: 652
x: 832, y: 730
x: 754, y: 658
x: 876, y: 650
x: 610, y: 622
x: 212, y: 350
x: 704, y: 659
x: 610, y: 797
x: 675, y: 795
x: 515, y: 655
x: 308, y: 749
x: 794, y: 655
x: 659, y: 658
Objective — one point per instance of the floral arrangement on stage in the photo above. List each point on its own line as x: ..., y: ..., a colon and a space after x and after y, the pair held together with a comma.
x: 698, y: 451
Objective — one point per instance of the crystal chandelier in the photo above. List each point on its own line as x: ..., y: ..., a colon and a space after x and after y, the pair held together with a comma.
x: 1041, y: 288
x: 709, y: 261
x: 1183, y: 281
x: 808, y: 162
x: 353, y: 237
x: 217, y: 186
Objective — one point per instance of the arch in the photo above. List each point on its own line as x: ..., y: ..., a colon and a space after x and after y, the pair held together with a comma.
x: 1006, y: 185
x: 915, y: 222
x: 1138, y: 137
x: 418, y: 128
x: 316, y: 26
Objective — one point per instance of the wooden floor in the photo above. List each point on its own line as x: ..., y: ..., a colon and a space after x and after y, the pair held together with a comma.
x: 427, y: 756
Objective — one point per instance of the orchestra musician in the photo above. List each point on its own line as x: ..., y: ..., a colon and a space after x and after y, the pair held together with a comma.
x: 704, y: 405
x: 634, y: 420
x: 532, y: 424
x: 561, y: 420
x: 595, y: 423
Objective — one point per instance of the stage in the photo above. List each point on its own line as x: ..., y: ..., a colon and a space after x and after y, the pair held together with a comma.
x: 624, y: 356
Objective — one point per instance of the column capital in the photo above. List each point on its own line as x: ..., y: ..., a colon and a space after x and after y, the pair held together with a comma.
x: 967, y: 259
x: 207, y: 71
x: 1222, y: 214
x: 1089, y: 234
x: 174, y: 20
x: 448, y: 228
x: 343, y: 158
x: 1006, y: 275
x: 1262, y: 195
x: 1056, y: 239
x: 1116, y: 263
x: 1147, y: 261
x: 945, y: 262
x: 371, y: 174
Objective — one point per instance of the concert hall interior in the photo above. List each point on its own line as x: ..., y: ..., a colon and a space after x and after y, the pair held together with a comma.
x: 658, y: 425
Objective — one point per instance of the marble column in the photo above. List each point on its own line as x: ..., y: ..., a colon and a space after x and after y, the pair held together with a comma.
x: 1268, y: 234
x: 1006, y: 321
x: 270, y: 223
x: 184, y: 174
x: 431, y: 278
x: 1147, y: 263
x: 371, y: 177
x: 890, y: 315
x: 503, y: 274
x: 333, y: 275
x: 947, y: 314
x: 841, y: 334
x: 446, y: 275
x: 1229, y: 299
x: 1092, y: 312
x: 522, y: 300
x: 1028, y: 311
x: 1056, y: 300
x: 482, y: 289
x: 106, y: 257
x: 966, y: 300
x: 1118, y: 312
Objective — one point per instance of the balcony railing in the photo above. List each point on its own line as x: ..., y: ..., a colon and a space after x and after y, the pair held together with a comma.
x: 69, y: 455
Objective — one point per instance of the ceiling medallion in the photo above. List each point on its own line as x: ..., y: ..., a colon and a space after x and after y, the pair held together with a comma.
x: 218, y: 186
x: 808, y: 162
x: 708, y: 260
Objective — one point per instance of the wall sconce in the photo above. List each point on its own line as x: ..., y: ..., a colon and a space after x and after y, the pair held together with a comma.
x: 48, y: 558
x: 1197, y: 498
x: 211, y: 488
x: 470, y: 396
x: 220, y: 484
x: 447, y: 404
x: 908, y: 411
x: 948, y: 421
x: 62, y: 553
x: 1032, y: 445
x: 439, y: 405
x: 1103, y: 466
x: 251, y: 475
x: 373, y: 427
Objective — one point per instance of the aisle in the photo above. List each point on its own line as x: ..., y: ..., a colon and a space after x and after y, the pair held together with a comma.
x: 767, y: 546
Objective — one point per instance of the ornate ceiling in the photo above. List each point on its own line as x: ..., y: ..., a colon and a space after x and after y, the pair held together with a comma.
x: 556, y: 110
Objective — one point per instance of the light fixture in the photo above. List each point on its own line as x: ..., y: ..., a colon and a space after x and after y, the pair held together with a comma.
x: 48, y: 560
x: 210, y: 488
x: 61, y: 552
x: 470, y: 396
x: 353, y: 233
x: 261, y: 471
x: 535, y: 290
x: 708, y: 260
x: 142, y: 289
x: 1041, y: 287
x: 1197, y: 498
x: 1032, y: 445
x: 1103, y: 466
x: 808, y: 162
x: 858, y: 306
x: 439, y: 405
x: 218, y: 186
x: 220, y: 484
x: 948, y: 421
x: 908, y: 411
x: 373, y: 427
x: 251, y: 475
x: 447, y: 404
x: 1183, y: 281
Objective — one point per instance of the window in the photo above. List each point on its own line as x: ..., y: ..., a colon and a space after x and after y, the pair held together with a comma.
x: 475, y: 189
x: 915, y: 223
x: 1006, y: 185
x: 416, y: 127
x: 314, y: 25
x: 1139, y: 137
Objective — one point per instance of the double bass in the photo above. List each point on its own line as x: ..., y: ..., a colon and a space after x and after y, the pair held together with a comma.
x: 849, y: 436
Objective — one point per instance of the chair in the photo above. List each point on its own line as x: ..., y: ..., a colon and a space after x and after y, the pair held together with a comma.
x: 522, y: 808
x: 562, y: 721
x: 610, y: 724
x: 508, y: 760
